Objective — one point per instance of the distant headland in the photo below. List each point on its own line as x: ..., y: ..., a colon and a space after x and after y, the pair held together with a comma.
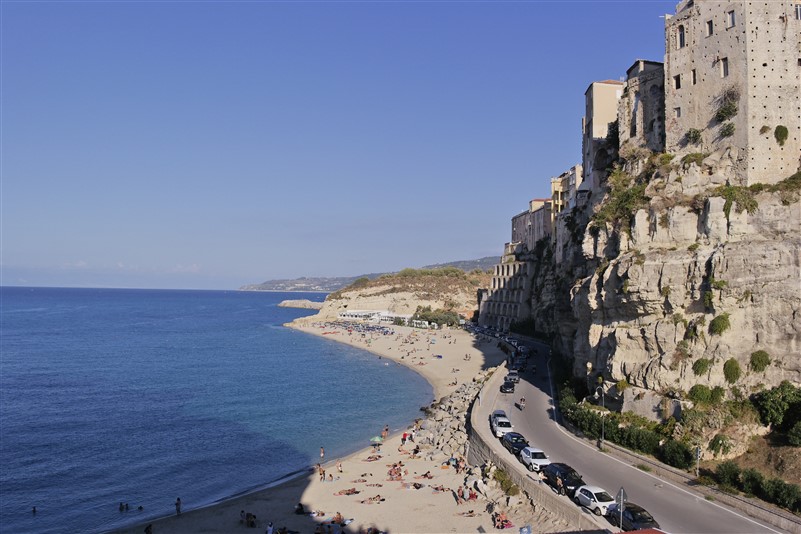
x: 331, y: 284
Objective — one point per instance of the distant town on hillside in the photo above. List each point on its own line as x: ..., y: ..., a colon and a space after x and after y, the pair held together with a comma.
x: 329, y: 284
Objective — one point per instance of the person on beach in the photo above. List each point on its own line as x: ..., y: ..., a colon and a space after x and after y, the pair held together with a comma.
x: 322, y: 455
x: 149, y: 529
x: 385, y: 432
x: 339, y: 466
x: 299, y: 509
x: 178, y: 506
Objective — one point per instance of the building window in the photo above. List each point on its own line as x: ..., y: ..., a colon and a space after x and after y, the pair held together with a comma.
x: 677, y: 81
x: 798, y: 12
x: 710, y: 28
x: 677, y: 112
x: 694, y: 77
x: 682, y: 40
x: 724, y: 67
x: 730, y: 19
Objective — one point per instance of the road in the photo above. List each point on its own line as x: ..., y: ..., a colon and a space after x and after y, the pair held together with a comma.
x: 676, y: 509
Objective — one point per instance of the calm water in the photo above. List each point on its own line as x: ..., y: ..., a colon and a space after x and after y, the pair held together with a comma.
x: 140, y: 396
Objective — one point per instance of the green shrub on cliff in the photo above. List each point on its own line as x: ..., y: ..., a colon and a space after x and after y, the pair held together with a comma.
x: 741, y: 198
x: 731, y: 371
x: 700, y: 394
x: 695, y: 157
x: 781, y: 133
x: 759, y: 361
x: 625, y: 198
x: 719, y: 324
x: 701, y: 366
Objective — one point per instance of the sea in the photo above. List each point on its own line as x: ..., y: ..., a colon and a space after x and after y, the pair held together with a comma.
x: 112, y: 396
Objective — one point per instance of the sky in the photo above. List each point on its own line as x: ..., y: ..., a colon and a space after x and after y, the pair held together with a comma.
x: 208, y: 145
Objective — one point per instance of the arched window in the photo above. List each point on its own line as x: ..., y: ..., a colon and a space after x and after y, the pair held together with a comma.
x: 682, y: 40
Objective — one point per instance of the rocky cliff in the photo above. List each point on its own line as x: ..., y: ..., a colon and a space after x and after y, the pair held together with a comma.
x: 677, y: 277
x: 401, y: 293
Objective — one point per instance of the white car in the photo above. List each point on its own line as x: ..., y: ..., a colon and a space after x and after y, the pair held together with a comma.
x: 594, y: 498
x: 500, y: 424
x: 512, y: 376
x: 534, y: 458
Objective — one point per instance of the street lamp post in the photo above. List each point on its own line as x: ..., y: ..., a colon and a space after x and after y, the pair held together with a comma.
x: 603, y: 418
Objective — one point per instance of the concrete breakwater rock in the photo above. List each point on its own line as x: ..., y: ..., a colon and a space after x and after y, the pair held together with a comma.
x: 444, y: 435
x: 301, y: 303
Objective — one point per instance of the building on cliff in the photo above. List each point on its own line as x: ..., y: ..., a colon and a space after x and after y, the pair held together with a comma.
x: 530, y: 226
x: 733, y: 72
x: 641, y: 108
x: 506, y: 301
x: 600, y: 101
x: 564, y: 188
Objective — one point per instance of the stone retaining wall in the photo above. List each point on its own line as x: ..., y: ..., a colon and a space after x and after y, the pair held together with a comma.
x: 479, y: 453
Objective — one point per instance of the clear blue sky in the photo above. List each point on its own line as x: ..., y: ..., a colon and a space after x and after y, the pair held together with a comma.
x: 214, y: 144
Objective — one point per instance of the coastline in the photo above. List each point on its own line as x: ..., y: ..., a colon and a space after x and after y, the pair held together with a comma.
x: 405, y: 510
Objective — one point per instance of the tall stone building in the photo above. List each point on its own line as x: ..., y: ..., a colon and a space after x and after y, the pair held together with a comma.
x: 733, y: 81
x: 533, y: 224
x: 641, y: 109
x: 600, y: 100
x: 507, y: 301
x: 563, y: 189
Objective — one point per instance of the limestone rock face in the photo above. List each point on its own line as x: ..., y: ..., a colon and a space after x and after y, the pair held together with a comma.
x: 692, y: 275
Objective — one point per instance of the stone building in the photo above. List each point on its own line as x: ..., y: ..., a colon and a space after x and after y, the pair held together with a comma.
x: 600, y: 101
x: 506, y: 301
x: 563, y: 189
x: 641, y: 108
x: 733, y: 83
x: 533, y: 224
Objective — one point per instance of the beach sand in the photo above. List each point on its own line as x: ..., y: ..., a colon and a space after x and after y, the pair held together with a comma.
x: 403, y: 510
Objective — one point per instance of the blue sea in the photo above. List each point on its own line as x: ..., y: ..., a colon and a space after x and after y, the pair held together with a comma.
x: 142, y: 396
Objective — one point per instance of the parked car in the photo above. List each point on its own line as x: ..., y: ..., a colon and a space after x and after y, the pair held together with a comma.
x: 533, y: 458
x: 512, y: 376
x: 563, y: 478
x: 500, y: 424
x: 596, y: 499
x: 508, y: 387
x: 635, y: 517
x: 514, y: 442
x: 519, y: 365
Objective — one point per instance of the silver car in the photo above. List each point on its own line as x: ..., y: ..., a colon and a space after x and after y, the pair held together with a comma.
x: 534, y: 458
x: 594, y: 498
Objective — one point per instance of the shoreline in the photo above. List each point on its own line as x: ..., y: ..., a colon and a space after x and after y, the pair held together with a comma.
x: 461, y: 358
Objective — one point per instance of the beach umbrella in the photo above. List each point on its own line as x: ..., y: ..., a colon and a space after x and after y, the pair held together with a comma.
x: 376, y: 439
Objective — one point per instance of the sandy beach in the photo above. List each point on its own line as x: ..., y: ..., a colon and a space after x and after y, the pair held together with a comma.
x: 407, y: 503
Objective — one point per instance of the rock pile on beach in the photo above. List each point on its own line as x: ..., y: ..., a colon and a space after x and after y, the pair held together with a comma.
x: 445, y: 428
x: 445, y: 431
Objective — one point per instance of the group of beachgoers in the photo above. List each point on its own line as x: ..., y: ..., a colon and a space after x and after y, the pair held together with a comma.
x: 500, y: 521
x: 365, y: 333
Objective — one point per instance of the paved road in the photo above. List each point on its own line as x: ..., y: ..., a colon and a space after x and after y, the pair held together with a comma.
x: 676, y: 509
